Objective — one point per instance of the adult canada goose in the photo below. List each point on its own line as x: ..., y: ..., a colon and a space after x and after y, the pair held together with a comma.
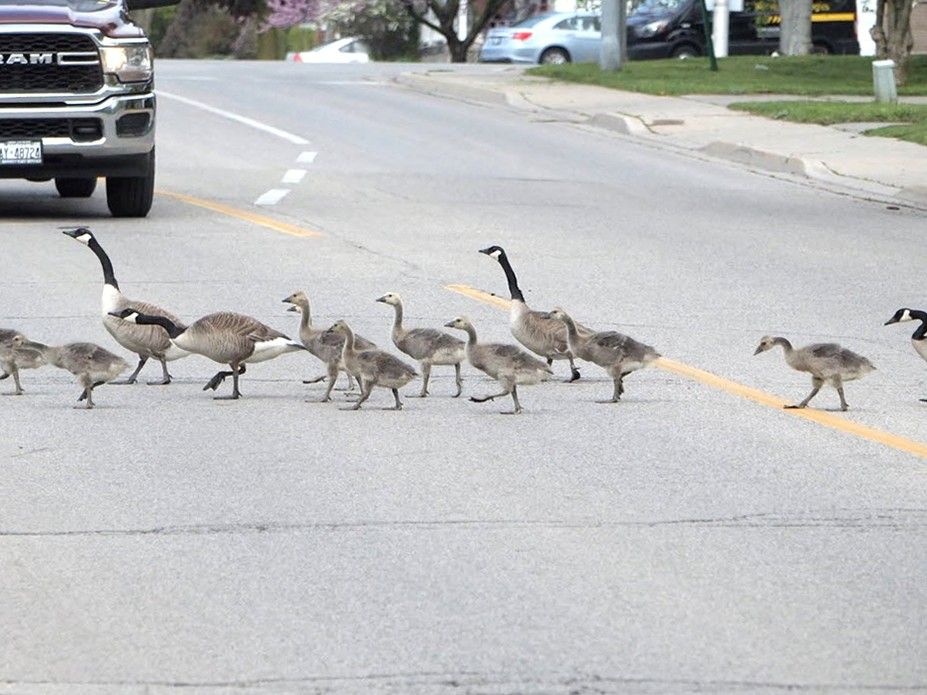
x: 427, y: 345
x: 14, y: 357
x: 618, y: 354
x: 919, y: 339
x: 144, y: 341
x: 324, y: 345
x: 536, y: 330
x: 828, y: 363
x: 92, y: 365
x: 224, y: 337
x: 373, y: 367
x: 507, y: 364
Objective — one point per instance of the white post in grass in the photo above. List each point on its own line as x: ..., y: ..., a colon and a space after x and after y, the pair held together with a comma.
x: 720, y: 20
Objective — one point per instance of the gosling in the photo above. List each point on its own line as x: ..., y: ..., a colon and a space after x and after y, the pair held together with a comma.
x: 16, y: 357
x: 618, y: 354
x: 426, y: 345
x: 372, y: 367
x: 828, y: 363
x: 92, y: 365
x: 509, y: 365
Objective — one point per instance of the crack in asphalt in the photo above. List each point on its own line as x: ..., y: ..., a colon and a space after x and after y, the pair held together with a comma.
x: 845, y: 519
x: 591, y: 683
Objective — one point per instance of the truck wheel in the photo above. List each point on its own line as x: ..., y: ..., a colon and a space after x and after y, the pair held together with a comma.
x: 76, y: 188
x: 131, y: 196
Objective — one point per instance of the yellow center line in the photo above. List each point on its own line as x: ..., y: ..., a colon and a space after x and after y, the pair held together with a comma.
x: 749, y: 393
x: 246, y: 215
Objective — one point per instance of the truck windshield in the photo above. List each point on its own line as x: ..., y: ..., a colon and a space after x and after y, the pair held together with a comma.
x: 659, y: 7
x: 76, y: 5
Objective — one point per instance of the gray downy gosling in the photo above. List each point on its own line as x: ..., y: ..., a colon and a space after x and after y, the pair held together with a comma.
x: 919, y: 339
x: 16, y: 357
x: 508, y: 364
x: 615, y: 352
x: 428, y: 346
x: 325, y: 346
x: 828, y: 363
x: 224, y: 337
x: 373, y: 367
x: 91, y: 364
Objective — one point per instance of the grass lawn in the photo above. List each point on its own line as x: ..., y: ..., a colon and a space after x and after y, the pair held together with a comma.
x: 913, y: 116
x: 804, y: 75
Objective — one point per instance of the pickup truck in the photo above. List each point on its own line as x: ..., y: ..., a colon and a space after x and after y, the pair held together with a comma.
x: 77, y: 99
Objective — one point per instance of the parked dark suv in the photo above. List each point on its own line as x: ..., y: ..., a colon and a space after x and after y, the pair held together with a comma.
x: 77, y: 99
x: 673, y: 28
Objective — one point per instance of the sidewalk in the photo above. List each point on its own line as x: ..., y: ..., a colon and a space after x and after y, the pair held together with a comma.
x: 882, y: 167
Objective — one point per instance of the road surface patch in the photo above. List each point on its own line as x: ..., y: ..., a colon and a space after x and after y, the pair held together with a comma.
x: 246, y: 215
x: 831, y: 420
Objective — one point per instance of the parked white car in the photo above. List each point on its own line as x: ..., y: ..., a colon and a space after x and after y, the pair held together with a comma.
x: 347, y: 50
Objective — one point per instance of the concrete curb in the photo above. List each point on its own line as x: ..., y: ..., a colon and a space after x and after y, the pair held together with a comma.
x: 437, y: 87
x: 618, y: 122
x: 751, y: 156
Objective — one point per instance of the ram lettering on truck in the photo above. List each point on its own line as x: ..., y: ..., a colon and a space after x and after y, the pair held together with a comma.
x: 77, y: 99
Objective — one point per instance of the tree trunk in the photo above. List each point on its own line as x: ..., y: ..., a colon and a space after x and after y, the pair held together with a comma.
x: 457, y: 49
x: 795, y: 29
x: 892, y: 34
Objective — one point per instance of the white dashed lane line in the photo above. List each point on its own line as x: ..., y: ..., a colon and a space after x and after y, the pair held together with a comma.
x: 293, y: 176
x: 290, y: 177
x: 272, y: 197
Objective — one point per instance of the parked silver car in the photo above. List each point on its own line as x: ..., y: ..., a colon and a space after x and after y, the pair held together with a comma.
x: 553, y: 38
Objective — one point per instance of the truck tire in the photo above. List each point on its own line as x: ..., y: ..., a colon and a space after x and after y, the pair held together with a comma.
x: 76, y: 187
x: 131, y: 196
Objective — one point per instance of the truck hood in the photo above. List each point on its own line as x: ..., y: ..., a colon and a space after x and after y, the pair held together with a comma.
x: 109, y: 17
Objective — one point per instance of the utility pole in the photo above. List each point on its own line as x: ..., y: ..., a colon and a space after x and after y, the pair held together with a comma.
x: 611, y: 52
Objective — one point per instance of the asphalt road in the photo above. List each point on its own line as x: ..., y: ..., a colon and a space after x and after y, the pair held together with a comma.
x: 686, y: 540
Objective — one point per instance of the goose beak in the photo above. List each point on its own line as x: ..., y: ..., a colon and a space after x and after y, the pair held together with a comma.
x: 758, y: 351
x: 74, y: 233
x: 486, y: 251
x: 890, y: 321
x: 381, y: 299
x: 449, y: 324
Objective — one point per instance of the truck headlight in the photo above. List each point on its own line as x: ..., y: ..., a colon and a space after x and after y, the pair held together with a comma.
x: 652, y: 28
x: 128, y: 63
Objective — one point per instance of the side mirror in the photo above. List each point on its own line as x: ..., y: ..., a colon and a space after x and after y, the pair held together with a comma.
x: 148, y: 4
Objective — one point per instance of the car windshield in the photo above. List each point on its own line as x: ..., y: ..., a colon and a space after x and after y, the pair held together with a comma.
x: 330, y: 44
x: 659, y: 6
x: 531, y: 21
x: 76, y: 5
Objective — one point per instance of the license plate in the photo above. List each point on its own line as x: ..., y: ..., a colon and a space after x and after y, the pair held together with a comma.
x: 21, y: 152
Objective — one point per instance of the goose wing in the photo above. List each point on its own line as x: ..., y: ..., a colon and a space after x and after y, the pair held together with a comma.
x: 380, y: 363
x: 826, y: 350
x: 424, y: 342
x: 361, y: 343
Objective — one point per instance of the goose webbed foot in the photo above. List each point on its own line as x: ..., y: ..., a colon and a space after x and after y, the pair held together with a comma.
x: 216, y: 380
x: 232, y: 397
x: 314, y: 381
x: 125, y: 382
x: 133, y: 377
x: 162, y: 382
x: 574, y: 375
x: 18, y: 392
x: 482, y: 399
x: 797, y: 406
x: 7, y: 376
x: 610, y: 400
x: 923, y: 400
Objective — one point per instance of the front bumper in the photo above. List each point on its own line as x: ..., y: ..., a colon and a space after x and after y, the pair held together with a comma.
x: 97, y: 140
x: 508, y: 54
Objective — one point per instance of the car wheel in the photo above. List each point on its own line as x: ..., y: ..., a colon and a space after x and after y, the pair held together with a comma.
x: 76, y: 187
x: 131, y: 196
x: 685, y: 52
x: 554, y: 56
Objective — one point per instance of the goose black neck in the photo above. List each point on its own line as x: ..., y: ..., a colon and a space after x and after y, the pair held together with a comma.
x: 510, y: 276
x: 921, y: 331
x: 108, y: 277
x: 172, y: 329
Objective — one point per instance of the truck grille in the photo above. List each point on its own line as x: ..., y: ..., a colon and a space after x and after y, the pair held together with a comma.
x: 79, y: 129
x: 50, y: 77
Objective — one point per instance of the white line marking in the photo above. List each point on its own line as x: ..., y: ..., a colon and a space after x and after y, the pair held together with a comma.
x: 290, y: 137
x: 272, y: 197
x: 293, y: 176
x: 306, y: 157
